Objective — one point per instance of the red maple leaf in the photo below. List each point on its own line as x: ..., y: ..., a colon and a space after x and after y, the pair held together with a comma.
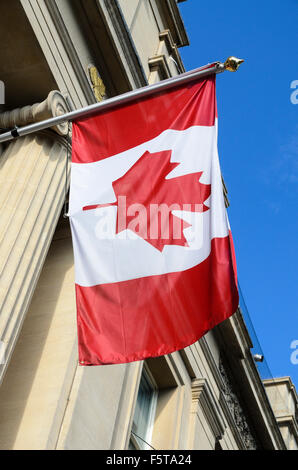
x: 146, y: 199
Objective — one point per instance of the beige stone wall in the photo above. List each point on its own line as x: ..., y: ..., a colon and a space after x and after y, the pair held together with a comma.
x: 284, y: 401
x: 159, y: 57
x: 35, y: 389
x: 143, y: 26
x: 100, y: 408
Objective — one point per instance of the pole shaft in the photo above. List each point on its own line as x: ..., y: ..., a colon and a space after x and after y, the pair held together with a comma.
x: 125, y: 98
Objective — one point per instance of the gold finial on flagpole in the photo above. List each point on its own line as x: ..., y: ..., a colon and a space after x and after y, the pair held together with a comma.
x: 233, y: 63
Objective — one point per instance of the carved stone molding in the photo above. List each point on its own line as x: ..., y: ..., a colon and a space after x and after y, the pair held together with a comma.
x: 202, y: 396
x: 167, y: 51
x: 166, y: 36
x: 236, y: 414
x: 158, y: 63
x: 54, y: 105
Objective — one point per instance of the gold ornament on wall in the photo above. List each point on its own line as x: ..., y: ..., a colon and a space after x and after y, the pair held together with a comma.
x: 98, y: 86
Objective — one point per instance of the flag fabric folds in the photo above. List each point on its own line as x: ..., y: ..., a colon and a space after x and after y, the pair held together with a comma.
x: 154, y: 259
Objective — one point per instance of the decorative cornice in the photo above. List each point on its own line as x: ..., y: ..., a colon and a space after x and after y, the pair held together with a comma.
x: 54, y: 105
x: 288, y: 414
x: 203, y: 396
x: 159, y: 64
x: 291, y: 423
x: 283, y: 380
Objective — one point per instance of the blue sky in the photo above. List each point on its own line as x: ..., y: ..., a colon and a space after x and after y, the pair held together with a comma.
x: 258, y: 147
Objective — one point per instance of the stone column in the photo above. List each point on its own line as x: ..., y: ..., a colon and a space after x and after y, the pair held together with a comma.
x: 32, y: 193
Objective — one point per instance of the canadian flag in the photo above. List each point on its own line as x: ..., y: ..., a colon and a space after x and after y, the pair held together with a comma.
x: 154, y: 259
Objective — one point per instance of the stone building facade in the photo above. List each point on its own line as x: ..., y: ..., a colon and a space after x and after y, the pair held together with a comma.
x: 59, y: 55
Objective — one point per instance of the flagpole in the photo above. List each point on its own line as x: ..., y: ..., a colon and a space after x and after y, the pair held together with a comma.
x: 231, y: 64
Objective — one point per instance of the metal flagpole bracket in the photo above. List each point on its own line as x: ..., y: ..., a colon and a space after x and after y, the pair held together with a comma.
x: 15, y: 132
x: 231, y: 64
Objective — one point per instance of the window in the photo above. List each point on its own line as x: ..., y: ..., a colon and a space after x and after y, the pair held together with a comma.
x: 143, y: 420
